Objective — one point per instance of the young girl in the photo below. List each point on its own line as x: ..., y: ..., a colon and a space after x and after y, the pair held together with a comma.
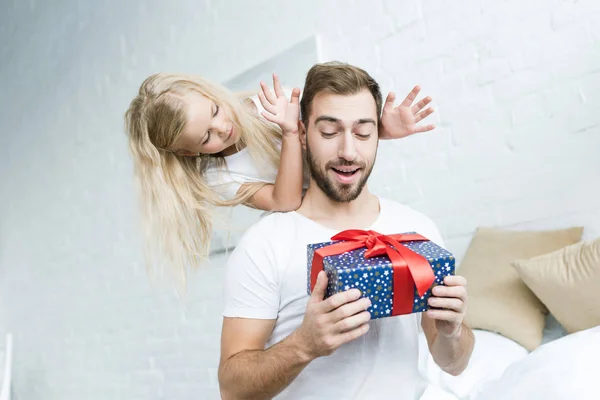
x: 196, y: 145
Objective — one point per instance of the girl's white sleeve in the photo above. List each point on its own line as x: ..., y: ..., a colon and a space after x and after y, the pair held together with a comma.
x: 224, y: 183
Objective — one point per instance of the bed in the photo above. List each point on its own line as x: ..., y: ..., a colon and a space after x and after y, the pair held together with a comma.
x: 565, y: 366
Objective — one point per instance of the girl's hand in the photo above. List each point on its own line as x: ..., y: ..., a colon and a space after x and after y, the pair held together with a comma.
x: 278, y: 109
x: 401, y: 121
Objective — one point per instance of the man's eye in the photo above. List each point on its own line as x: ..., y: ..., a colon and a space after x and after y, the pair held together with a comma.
x: 363, y: 136
x: 328, y: 134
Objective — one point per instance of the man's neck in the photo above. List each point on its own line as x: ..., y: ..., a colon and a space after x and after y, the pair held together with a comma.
x: 360, y: 213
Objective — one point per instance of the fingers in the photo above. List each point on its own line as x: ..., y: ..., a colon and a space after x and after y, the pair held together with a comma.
x: 451, y: 304
x: 278, y: 90
x: 318, y: 293
x: 269, y: 117
x: 339, y: 299
x: 389, y: 101
x: 333, y: 341
x: 277, y: 86
x: 455, y: 280
x: 456, y: 292
x: 266, y: 104
x: 423, y: 114
x: 295, y: 96
x: 267, y: 93
x: 411, y: 96
x: 446, y: 315
x: 450, y: 299
x: 419, y: 106
x: 353, y: 322
x: 353, y: 334
x: 336, y: 320
x: 349, y: 309
x: 424, y: 128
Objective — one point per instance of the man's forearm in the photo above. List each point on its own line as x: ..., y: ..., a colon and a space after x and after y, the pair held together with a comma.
x: 452, y: 354
x: 262, y: 374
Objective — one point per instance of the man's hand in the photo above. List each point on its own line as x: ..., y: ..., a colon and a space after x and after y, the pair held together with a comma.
x: 401, y: 121
x: 450, y: 304
x: 330, y: 323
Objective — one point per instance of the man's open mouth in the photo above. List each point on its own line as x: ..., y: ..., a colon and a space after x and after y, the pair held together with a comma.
x: 346, y: 171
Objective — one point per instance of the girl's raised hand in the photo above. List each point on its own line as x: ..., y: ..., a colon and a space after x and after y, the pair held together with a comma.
x: 401, y: 121
x: 278, y: 109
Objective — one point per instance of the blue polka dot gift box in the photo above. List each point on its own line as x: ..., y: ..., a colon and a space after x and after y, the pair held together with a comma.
x: 396, y: 272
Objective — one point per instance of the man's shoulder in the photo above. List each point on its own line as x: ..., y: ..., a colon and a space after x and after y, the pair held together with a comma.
x: 404, y: 215
x: 401, y: 210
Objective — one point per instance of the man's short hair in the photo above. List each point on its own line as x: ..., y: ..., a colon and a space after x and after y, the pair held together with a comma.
x: 337, y: 78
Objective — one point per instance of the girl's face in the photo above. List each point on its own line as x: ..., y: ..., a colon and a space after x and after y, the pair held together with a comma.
x: 208, y: 130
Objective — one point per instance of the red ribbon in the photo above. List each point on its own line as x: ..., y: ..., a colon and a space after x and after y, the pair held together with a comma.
x: 410, y: 269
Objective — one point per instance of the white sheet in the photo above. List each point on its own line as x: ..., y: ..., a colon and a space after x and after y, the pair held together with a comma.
x: 492, y: 354
x: 566, y: 368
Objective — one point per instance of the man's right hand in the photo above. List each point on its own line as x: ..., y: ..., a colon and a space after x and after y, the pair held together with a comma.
x: 329, y: 323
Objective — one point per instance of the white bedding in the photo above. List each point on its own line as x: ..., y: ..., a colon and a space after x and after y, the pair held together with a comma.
x: 492, y: 354
x: 564, y: 367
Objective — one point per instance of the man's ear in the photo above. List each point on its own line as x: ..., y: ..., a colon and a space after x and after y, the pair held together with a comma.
x: 302, y: 132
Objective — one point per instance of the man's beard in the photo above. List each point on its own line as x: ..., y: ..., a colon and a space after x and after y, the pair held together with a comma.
x: 339, y: 192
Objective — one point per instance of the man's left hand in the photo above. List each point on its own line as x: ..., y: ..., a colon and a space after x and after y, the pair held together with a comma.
x: 450, y: 305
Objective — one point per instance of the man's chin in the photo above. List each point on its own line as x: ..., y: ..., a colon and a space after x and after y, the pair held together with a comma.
x: 345, y: 193
x: 337, y: 190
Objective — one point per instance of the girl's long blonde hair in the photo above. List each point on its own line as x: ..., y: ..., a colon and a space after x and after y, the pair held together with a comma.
x: 177, y: 204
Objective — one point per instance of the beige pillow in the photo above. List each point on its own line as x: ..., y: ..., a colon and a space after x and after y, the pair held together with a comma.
x: 567, y: 281
x: 498, y: 300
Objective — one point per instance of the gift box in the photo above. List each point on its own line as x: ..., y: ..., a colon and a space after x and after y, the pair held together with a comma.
x: 396, y: 272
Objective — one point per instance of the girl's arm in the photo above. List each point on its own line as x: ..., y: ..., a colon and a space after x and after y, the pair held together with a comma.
x: 401, y: 121
x: 286, y: 193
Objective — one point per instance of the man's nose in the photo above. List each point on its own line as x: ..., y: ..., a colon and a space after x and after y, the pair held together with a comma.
x: 347, y: 149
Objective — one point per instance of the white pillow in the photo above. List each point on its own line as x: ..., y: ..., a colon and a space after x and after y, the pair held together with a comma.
x: 492, y: 354
x: 566, y: 368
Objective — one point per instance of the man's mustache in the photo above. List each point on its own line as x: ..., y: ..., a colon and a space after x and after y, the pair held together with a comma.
x: 345, y: 163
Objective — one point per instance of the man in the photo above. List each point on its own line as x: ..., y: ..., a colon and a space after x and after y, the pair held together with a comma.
x: 276, y: 340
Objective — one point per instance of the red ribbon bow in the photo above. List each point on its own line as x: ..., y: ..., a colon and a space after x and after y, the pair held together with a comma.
x: 410, y: 269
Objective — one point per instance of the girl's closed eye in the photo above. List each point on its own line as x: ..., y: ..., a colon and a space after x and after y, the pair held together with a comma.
x: 215, y: 112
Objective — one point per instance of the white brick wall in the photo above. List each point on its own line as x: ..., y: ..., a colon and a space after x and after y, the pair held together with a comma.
x: 516, y: 88
x: 516, y: 85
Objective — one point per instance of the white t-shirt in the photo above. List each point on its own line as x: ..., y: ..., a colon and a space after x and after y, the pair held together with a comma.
x: 241, y: 168
x: 266, y: 279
